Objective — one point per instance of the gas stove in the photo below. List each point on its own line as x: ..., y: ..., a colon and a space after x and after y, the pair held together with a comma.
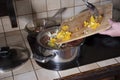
x: 95, y: 48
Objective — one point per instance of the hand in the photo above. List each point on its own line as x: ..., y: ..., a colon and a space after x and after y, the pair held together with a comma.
x: 114, y: 31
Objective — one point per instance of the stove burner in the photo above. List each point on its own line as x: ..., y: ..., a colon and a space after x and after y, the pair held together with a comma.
x: 92, y: 50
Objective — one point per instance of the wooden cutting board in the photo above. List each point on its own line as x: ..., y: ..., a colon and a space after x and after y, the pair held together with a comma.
x: 78, y: 20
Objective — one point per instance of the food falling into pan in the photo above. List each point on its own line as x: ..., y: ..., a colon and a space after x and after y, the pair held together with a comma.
x: 65, y: 34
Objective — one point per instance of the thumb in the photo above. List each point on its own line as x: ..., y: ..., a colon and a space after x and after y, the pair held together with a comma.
x: 107, y: 32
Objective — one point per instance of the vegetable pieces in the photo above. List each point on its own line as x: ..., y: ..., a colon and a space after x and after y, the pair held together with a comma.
x: 93, y: 23
x: 62, y: 35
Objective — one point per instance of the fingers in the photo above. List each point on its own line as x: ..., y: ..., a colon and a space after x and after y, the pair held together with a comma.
x: 113, y: 23
x: 114, y: 30
x: 108, y: 32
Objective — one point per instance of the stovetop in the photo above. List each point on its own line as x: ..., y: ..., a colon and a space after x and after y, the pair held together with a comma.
x: 95, y: 48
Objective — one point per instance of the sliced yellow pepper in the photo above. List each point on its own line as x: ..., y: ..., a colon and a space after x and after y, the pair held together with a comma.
x: 86, y: 23
x: 67, y: 36
x: 63, y: 35
x: 92, y: 23
x: 65, y: 28
x: 52, y: 42
x: 92, y: 19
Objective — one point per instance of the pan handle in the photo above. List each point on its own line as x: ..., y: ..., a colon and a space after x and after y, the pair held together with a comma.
x: 43, y: 59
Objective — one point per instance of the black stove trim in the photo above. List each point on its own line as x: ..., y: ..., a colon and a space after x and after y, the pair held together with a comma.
x: 88, y: 54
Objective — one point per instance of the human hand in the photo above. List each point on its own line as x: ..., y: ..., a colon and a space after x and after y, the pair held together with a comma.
x: 114, y: 30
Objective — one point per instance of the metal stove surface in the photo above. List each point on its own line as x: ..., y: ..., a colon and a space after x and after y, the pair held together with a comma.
x: 95, y: 48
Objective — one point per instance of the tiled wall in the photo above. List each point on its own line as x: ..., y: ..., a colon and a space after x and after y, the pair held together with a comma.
x: 27, y: 10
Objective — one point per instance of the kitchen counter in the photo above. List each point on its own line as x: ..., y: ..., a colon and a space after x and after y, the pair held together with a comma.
x: 31, y: 71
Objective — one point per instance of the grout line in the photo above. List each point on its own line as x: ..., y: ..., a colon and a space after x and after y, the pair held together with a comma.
x: 29, y: 59
x: 31, y: 5
x: 23, y: 38
x: 24, y: 13
x: 116, y: 60
x: 4, y: 32
x: 59, y: 74
x: 79, y: 69
x: 60, y: 3
x: 34, y: 70
x: 14, y: 2
x: 74, y: 7
x: 21, y: 73
x: 12, y: 74
x: 107, y: 65
x: 32, y: 10
x: 7, y: 77
x: 61, y: 13
x: 46, y: 8
x: 98, y: 65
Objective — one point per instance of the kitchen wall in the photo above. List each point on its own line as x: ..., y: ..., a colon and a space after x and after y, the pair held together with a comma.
x: 27, y: 10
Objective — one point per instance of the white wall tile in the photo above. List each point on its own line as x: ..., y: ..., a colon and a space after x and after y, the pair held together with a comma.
x: 105, y: 0
x: 118, y: 59
x: 67, y: 72
x: 107, y: 62
x: 7, y: 24
x: 13, y: 33
x: 67, y: 3
x: 40, y: 15
x: 53, y: 4
x: 5, y: 74
x: 27, y: 67
x: 14, y: 39
x: 44, y: 74
x: 78, y: 9
x: 93, y: 1
x: 25, y: 34
x: 2, y: 40
x: 2, y: 35
x: 38, y: 5
x: 24, y: 20
x: 23, y: 7
x: 68, y: 13
x: 25, y: 76
x: 29, y: 49
x: 57, y: 18
x: 8, y: 78
x: 79, y: 2
x: 35, y: 65
x: 88, y: 67
x: 1, y: 27
x: 13, y: 44
x: 52, y: 13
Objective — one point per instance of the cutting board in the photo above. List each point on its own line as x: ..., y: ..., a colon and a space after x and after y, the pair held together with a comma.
x: 78, y: 20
